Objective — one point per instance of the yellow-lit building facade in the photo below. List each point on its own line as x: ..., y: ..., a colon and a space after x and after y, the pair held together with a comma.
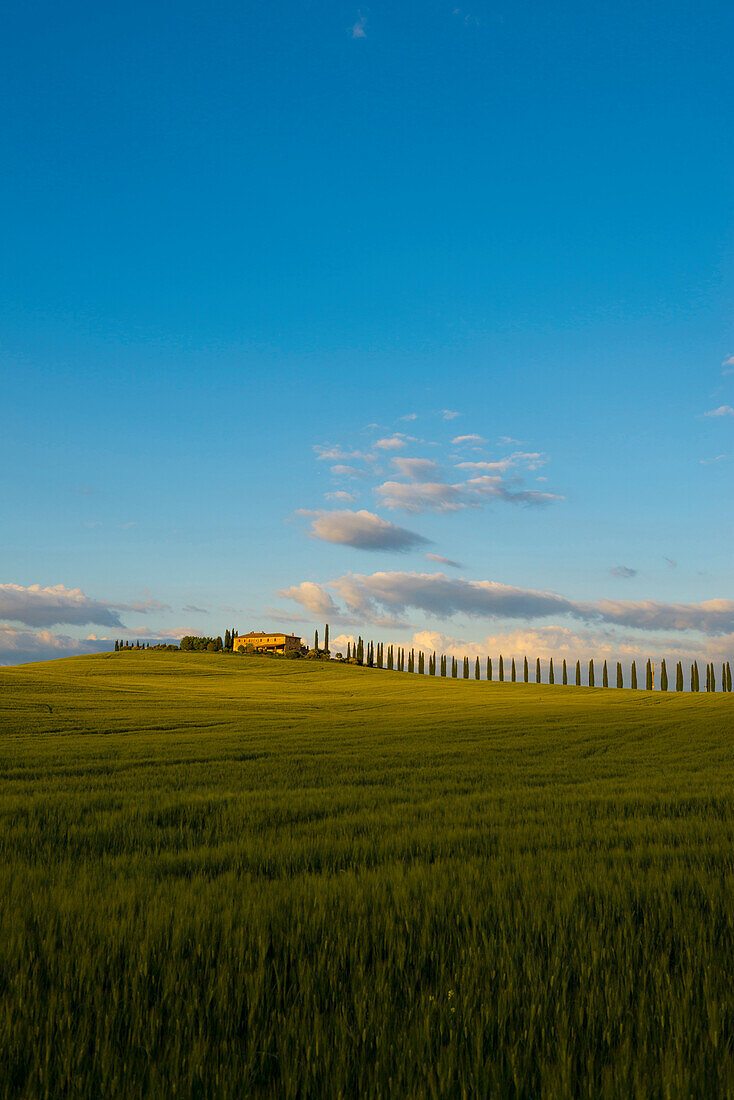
x: 263, y: 642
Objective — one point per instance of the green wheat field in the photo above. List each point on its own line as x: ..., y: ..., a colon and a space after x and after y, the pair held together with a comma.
x: 237, y: 877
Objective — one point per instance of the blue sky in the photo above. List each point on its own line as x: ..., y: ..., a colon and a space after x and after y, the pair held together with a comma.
x: 240, y: 239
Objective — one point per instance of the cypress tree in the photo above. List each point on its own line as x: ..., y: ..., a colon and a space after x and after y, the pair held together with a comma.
x: 117, y: 646
x: 551, y: 674
x: 326, y: 638
x: 591, y: 673
x: 316, y: 640
x: 620, y: 678
x: 565, y: 672
x: 434, y: 663
x: 663, y: 675
x: 512, y: 671
x: 578, y: 674
x: 477, y: 671
x: 489, y: 668
x: 723, y: 677
x: 679, y: 677
x: 537, y: 670
x: 502, y: 670
x: 605, y: 676
x: 466, y: 668
x: 648, y: 675
x: 349, y: 652
x: 227, y: 640
x: 633, y: 677
x: 728, y: 676
x: 693, y: 679
x: 443, y: 664
x: 713, y: 677
x: 454, y: 669
x: 410, y: 662
x: 525, y: 670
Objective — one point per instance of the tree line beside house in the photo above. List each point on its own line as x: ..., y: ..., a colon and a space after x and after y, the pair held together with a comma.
x: 393, y: 658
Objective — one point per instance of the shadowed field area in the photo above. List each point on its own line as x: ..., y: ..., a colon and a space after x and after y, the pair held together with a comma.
x: 227, y: 877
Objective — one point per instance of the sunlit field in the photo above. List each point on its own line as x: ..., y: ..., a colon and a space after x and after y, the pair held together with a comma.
x: 232, y: 877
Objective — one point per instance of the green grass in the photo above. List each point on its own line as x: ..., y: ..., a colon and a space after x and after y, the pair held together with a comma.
x: 227, y: 877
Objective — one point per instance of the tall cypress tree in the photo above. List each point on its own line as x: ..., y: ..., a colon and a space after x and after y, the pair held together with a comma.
x: 723, y: 677
x: 604, y: 676
x: 620, y: 678
x: 316, y: 640
x: 434, y: 663
x: 538, y: 678
x: 326, y: 639
x: 454, y: 669
x: 551, y: 674
x: 512, y: 671
x: 578, y: 674
x: 591, y: 673
x: 502, y: 670
x: 477, y: 672
x: 117, y: 646
x: 663, y: 675
x: 679, y: 677
x: 443, y: 664
x: 489, y: 669
x: 565, y: 672
x: 648, y: 675
x: 713, y: 677
x: 525, y: 670
x: 466, y: 668
x: 633, y: 677
x: 728, y: 676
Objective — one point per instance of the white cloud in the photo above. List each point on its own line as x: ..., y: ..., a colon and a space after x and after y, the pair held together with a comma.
x: 339, y: 644
x: 337, y: 454
x: 427, y: 496
x: 347, y: 471
x: 712, y: 461
x: 723, y: 410
x: 443, y: 561
x: 313, y: 597
x: 393, y: 442
x: 468, y: 439
x: 417, y: 469
x: 342, y: 495
x: 364, y: 531
x: 409, y: 416
x: 387, y: 595
x: 499, y: 490
x: 20, y: 646
x: 359, y: 29
x: 449, y: 414
x: 562, y: 643
x: 521, y: 459
x: 728, y: 365
x: 56, y: 604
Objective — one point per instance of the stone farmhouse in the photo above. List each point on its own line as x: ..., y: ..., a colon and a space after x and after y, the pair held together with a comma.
x: 263, y: 642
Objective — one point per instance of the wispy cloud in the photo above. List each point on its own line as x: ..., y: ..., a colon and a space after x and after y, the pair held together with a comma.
x: 438, y: 496
x: 363, y: 531
x: 359, y: 28
x: 672, y: 564
x: 711, y: 461
x: 449, y: 414
x: 519, y: 459
x: 393, y: 442
x: 409, y: 416
x: 723, y: 410
x: 727, y: 366
x: 340, y: 470
x: 443, y: 561
x: 459, y: 439
x: 623, y: 571
x: 417, y: 469
x: 342, y: 495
